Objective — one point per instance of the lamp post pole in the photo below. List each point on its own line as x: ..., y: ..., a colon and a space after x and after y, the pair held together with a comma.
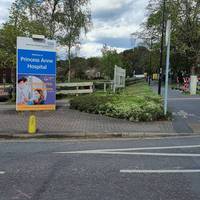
x: 150, y: 60
x: 168, y: 37
x: 161, y: 50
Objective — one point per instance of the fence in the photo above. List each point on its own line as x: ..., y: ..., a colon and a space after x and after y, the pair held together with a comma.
x: 132, y: 81
x: 5, y: 92
x: 103, y: 85
x: 75, y: 88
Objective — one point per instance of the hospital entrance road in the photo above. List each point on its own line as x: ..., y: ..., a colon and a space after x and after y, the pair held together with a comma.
x: 147, y: 169
x: 185, y: 110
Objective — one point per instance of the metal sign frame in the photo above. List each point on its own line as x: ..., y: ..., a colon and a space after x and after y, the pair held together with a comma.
x: 119, y: 78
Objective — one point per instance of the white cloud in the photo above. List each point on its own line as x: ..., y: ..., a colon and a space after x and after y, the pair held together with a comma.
x: 99, y: 5
x: 91, y: 49
x: 113, y: 22
x: 94, y: 50
x: 4, y: 9
x: 116, y: 19
x: 119, y: 29
x: 87, y: 50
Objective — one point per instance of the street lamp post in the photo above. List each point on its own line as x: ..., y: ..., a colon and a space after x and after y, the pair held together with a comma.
x: 161, y: 49
x: 150, y: 59
x: 133, y: 44
x: 168, y: 35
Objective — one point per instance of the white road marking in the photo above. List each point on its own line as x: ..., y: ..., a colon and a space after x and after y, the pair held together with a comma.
x: 116, y: 151
x: 183, y: 99
x: 20, y: 193
x: 183, y: 114
x: 134, y: 153
x: 2, y: 172
x: 160, y: 171
x: 152, y: 148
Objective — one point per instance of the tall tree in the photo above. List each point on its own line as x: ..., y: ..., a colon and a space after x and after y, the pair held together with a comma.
x: 64, y: 20
x: 109, y: 60
x: 185, y: 16
x: 44, y: 12
x: 74, y: 20
x: 136, y: 60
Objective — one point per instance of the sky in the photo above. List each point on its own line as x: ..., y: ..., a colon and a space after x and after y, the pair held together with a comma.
x: 112, y: 23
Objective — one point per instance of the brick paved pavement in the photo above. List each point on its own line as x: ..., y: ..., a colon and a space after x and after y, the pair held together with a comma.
x: 66, y: 121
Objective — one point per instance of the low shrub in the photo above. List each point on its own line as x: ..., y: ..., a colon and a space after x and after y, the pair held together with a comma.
x: 89, y: 103
x: 147, y: 110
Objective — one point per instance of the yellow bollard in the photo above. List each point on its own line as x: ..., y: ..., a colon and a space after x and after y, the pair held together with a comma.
x: 32, y: 124
x: 155, y: 76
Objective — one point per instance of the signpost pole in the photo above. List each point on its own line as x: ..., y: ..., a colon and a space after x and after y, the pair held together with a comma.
x: 119, y: 78
x: 115, y: 74
x: 168, y: 32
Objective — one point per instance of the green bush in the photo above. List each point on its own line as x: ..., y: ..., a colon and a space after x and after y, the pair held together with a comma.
x: 148, y: 108
x: 89, y: 103
x: 136, y: 103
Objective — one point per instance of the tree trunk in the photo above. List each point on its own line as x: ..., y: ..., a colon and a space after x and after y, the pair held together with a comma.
x: 193, y: 70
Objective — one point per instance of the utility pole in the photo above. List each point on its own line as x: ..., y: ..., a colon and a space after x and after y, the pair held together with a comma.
x: 168, y: 37
x: 161, y: 49
x: 133, y: 44
x: 150, y: 60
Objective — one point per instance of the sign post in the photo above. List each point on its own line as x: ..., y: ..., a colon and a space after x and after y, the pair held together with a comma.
x: 168, y: 37
x: 36, y: 75
x: 119, y: 78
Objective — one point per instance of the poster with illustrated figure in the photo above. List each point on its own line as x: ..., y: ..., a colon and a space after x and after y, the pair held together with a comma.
x: 36, y: 74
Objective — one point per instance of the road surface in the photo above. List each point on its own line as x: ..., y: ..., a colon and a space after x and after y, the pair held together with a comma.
x: 185, y: 110
x: 147, y: 169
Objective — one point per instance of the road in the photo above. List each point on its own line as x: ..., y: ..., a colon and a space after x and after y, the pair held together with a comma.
x: 185, y: 110
x: 186, y: 113
x: 143, y: 169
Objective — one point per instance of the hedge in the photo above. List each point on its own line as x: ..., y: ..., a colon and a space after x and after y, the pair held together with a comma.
x: 138, y: 108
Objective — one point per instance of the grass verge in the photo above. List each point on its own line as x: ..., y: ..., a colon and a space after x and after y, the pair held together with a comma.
x: 136, y: 103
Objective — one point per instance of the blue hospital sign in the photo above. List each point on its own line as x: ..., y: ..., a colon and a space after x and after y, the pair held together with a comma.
x: 36, y: 62
x: 36, y: 74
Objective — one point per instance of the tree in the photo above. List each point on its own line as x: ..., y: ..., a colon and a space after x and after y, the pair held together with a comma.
x: 24, y: 18
x: 185, y: 29
x: 75, y: 19
x: 8, y: 34
x: 41, y: 12
x: 64, y: 20
x: 94, y: 62
x: 18, y: 24
x: 136, y: 60
x: 80, y: 67
x: 109, y: 60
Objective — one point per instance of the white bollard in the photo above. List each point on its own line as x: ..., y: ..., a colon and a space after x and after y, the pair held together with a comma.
x: 193, y: 85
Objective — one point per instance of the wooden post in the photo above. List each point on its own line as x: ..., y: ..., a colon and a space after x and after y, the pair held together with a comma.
x: 77, y: 90
x: 104, y: 87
